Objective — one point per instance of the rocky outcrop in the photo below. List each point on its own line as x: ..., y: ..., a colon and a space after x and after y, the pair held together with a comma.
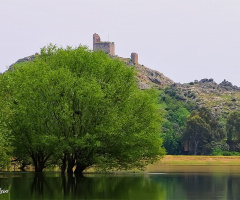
x: 148, y: 78
x: 221, y: 98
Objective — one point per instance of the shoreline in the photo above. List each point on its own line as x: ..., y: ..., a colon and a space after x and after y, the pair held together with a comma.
x: 176, y: 163
x: 187, y: 164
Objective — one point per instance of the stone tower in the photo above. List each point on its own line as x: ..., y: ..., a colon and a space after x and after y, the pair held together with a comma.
x: 134, y: 58
x: 107, y: 47
x: 96, y: 39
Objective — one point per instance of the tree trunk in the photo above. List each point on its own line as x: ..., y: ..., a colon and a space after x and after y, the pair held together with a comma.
x: 71, y: 163
x: 39, y: 161
x: 64, y: 164
x: 195, y: 147
x: 39, y: 167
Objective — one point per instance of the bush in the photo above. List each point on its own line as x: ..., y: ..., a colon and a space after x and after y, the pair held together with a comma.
x: 238, y: 147
x: 219, y: 152
x: 230, y: 153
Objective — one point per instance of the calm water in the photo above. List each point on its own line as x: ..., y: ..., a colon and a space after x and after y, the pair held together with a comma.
x: 216, y: 183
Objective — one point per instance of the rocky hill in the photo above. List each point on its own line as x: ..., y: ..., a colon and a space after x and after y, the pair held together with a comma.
x: 220, y: 98
x: 147, y: 77
x: 25, y: 59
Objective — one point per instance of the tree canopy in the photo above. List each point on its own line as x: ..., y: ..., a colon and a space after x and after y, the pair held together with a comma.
x: 80, y: 108
x: 233, y: 129
x: 202, y: 129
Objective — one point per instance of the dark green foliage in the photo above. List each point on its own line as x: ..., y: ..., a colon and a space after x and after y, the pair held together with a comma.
x: 219, y: 152
x: 233, y: 129
x: 175, y: 117
x: 213, y: 147
x: 188, y: 134
x: 5, y: 134
x: 201, y: 130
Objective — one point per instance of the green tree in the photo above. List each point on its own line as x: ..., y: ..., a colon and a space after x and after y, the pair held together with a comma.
x: 83, y: 108
x: 196, y: 133
x: 233, y: 129
x: 201, y: 129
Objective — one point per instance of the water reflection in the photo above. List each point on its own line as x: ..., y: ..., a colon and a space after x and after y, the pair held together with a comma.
x: 162, y: 186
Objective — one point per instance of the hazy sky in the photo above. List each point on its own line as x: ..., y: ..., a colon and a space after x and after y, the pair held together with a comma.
x: 183, y: 39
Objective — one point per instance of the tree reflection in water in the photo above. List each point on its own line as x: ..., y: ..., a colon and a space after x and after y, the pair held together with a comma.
x: 186, y: 186
x: 38, y: 184
x: 70, y: 186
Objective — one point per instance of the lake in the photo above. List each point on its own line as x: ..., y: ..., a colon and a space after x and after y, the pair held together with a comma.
x: 171, y: 182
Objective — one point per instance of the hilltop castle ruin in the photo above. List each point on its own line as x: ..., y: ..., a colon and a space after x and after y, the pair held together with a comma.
x: 109, y: 47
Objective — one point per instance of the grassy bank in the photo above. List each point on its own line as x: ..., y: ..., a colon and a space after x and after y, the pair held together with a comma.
x: 199, y: 160
x: 190, y: 164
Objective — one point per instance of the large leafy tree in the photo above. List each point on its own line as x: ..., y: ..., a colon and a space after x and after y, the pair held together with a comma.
x: 196, y: 134
x: 83, y: 108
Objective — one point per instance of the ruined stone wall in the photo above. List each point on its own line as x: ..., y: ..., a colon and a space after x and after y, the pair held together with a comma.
x: 96, y: 39
x: 112, y: 49
x: 107, y: 47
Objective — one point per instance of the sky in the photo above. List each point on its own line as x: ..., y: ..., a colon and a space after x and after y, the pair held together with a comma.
x: 186, y: 40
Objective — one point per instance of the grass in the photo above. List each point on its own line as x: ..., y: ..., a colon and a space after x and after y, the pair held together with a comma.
x: 182, y: 163
x: 191, y: 164
x: 200, y: 160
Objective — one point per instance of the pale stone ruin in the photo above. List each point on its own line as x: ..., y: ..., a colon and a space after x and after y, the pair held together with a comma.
x: 109, y: 47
